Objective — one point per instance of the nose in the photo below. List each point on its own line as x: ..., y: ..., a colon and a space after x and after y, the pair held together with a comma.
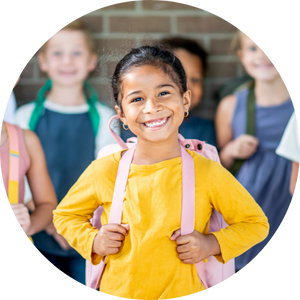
x: 67, y: 59
x: 152, y: 106
x: 264, y: 53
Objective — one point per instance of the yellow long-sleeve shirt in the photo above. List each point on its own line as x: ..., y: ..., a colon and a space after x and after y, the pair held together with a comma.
x: 147, y: 266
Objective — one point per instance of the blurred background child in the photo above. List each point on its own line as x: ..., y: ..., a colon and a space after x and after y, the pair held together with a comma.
x: 289, y: 148
x: 194, y: 60
x: 263, y: 173
x: 32, y: 163
x: 71, y: 124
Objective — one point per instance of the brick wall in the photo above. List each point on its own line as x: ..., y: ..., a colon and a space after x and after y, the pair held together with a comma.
x: 120, y: 27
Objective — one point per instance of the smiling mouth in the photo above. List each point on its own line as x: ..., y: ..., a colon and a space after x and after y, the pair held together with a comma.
x: 263, y: 66
x: 156, y: 123
x: 67, y: 73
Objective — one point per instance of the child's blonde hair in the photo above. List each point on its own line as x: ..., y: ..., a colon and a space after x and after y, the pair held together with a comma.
x: 236, y: 44
x: 80, y: 26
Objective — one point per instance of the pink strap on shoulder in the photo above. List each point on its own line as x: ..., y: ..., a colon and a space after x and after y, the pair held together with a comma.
x: 188, y: 204
x: 115, y: 216
x: 115, y: 135
x: 14, y: 163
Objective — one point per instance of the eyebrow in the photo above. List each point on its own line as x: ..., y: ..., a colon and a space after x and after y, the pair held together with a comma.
x: 159, y: 87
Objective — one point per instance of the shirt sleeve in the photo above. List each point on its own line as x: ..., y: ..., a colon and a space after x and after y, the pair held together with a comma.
x: 72, y: 216
x: 248, y: 224
x: 289, y: 146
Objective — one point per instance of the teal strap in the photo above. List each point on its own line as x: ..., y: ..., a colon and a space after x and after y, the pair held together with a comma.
x: 91, y: 98
x: 250, y: 126
x: 39, y: 105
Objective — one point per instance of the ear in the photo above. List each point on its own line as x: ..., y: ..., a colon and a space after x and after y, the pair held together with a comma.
x: 42, y: 61
x: 187, y: 96
x: 240, y: 55
x: 93, y: 61
x: 120, y: 114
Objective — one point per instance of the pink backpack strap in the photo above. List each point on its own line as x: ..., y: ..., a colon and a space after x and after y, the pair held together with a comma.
x: 14, y: 164
x: 114, y: 134
x: 115, y: 216
x: 188, y: 204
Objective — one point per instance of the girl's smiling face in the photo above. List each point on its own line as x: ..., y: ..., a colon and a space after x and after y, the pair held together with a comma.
x: 152, y: 105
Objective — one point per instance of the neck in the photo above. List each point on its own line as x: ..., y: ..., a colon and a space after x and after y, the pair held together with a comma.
x: 147, y: 153
x: 68, y: 96
x: 268, y: 93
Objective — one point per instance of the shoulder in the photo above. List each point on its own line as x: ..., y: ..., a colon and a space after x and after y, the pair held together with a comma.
x: 208, y: 167
x: 31, y: 139
x: 107, y: 163
x: 227, y: 104
x: 23, y: 115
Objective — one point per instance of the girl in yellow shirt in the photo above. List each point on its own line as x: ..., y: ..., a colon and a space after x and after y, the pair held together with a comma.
x: 147, y: 257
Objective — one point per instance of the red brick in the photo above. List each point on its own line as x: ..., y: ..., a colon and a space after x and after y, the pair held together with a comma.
x: 204, y: 24
x: 28, y: 71
x: 120, y: 6
x: 140, y: 24
x: 166, y: 5
x: 105, y: 94
x: 220, y: 47
x: 222, y: 69
x: 107, y: 46
x: 26, y: 93
x: 93, y: 23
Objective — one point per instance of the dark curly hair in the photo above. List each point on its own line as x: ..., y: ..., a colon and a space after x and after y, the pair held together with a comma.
x: 148, y: 55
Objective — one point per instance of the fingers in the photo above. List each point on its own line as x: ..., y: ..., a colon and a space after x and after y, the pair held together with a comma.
x: 110, y: 238
x: 175, y: 235
x: 117, y: 228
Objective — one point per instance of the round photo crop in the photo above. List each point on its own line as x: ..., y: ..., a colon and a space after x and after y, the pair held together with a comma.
x: 213, y: 167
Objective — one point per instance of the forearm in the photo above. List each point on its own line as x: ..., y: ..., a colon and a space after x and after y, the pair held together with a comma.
x: 213, y: 245
x: 77, y: 230
x: 226, y: 155
x: 294, y: 175
x: 40, y: 218
x: 238, y: 238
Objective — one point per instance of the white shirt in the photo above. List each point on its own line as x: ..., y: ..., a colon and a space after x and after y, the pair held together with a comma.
x: 10, y: 109
x: 289, y: 146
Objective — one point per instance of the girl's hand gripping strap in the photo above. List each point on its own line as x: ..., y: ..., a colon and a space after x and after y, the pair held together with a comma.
x: 188, y: 204
x: 118, y: 197
x: 14, y: 158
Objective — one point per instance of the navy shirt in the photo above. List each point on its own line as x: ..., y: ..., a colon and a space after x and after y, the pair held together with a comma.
x: 68, y: 142
x: 192, y: 127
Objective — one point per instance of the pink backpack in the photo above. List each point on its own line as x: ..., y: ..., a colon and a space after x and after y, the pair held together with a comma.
x: 210, y: 273
x: 14, y: 165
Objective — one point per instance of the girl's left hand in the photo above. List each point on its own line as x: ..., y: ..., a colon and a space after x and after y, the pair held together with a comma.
x: 195, y: 247
x: 22, y: 214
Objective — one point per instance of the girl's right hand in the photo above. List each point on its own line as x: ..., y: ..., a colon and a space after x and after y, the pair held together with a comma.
x: 109, y: 239
x: 244, y: 146
x: 22, y: 214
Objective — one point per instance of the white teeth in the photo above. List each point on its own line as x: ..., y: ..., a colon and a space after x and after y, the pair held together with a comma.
x: 155, y: 123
